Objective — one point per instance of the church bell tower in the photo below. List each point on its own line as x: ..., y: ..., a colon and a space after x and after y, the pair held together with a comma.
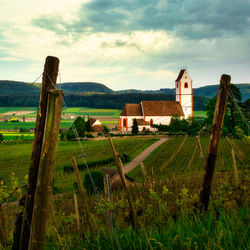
x: 184, y: 92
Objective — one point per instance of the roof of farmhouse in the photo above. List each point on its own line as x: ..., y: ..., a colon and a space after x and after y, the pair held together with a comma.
x: 153, y: 108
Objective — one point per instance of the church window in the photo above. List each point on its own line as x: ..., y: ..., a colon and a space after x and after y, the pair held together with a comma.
x: 124, y: 122
x: 151, y: 123
x: 186, y: 85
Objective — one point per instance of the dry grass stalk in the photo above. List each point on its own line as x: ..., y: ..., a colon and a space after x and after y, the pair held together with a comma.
x: 76, y: 212
x: 91, y: 222
x: 203, y: 162
x: 236, y: 176
x: 52, y: 213
x: 192, y: 158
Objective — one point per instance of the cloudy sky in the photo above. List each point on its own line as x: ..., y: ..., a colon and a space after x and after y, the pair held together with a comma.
x: 125, y: 44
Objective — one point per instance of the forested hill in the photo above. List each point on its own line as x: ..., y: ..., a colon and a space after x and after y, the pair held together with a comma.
x: 19, y: 88
x: 75, y: 88
x: 99, y: 96
x: 108, y: 101
x: 79, y: 87
x: 206, y: 91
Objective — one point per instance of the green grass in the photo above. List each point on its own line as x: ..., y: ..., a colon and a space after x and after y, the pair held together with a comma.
x: 200, y: 113
x: 16, y: 158
x: 81, y: 111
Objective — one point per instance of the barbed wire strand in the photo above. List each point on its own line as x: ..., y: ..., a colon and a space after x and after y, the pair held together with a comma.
x: 87, y: 167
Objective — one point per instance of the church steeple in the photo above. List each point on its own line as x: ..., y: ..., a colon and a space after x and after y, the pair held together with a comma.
x: 184, y: 92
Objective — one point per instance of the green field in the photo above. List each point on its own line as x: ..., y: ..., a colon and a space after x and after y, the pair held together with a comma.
x: 200, y: 113
x: 84, y: 111
x: 16, y: 158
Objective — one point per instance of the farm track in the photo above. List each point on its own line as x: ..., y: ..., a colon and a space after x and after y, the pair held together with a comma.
x: 142, y: 156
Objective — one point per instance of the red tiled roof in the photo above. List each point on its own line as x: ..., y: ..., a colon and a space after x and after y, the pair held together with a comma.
x: 92, y: 121
x: 141, y: 122
x: 162, y: 108
x: 131, y: 109
x: 180, y: 75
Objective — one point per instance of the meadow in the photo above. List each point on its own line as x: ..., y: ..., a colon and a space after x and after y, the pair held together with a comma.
x: 16, y: 158
x: 84, y: 111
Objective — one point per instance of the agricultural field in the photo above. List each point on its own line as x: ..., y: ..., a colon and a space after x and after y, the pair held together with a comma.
x: 107, y: 117
x: 16, y: 158
x: 187, y: 158
x: 84, y: 111
x: 164, y: 199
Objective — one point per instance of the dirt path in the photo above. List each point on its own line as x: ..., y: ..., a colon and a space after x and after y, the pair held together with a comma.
x: 143, y: 155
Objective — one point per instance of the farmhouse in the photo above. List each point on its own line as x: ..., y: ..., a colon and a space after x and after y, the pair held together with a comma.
x: 96, y: 125
x: 148, y: 113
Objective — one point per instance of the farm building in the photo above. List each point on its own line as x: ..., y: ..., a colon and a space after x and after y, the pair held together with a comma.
x: 96, y: 125
x: 148, y: 113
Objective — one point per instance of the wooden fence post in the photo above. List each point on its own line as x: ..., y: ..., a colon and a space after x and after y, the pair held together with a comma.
x: 214, y: 141
x: 49, y: 82
x: 92, y: 224
x: 46, y: 168
x: 123, y: 180
x: 2, y: 229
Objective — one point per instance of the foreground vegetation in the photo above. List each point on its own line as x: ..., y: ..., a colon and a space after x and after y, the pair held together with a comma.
x: 165, y: 204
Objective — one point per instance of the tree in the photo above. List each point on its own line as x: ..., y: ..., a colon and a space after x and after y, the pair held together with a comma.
x: 1, y: 137
x: 80, y: 125
x: 105, y: 129
x: 234, y: 99
x: 232, y: 117
x: 193, y: 127
x: 88, y: 127
x: 135, y: 127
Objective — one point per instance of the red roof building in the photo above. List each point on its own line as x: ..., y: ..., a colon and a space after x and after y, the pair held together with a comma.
x: 148, y: 113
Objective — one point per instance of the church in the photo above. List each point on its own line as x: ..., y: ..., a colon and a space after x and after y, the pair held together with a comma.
x: 148, y: 113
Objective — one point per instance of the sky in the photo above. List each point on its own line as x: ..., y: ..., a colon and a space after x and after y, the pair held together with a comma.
x: 126, y: 44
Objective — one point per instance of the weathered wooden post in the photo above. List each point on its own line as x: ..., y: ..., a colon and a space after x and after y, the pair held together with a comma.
x: 2, y: 231
x: 214, y: 141
x: 123, y: 180
x: 49, y: 82
x: 46, y: 168
x: 92, y: 224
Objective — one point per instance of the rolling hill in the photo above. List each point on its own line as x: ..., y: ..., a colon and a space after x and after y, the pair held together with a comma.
x: 77, y: 94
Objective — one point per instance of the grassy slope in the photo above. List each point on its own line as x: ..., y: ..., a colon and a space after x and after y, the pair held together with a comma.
x: 16, y: 158
x: 180, y: 164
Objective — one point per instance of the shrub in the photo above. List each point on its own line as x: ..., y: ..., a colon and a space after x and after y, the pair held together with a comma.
x: 135, y: 127
x: 238, y: 132
x: 1, y: 137
x: 97, y: 177
x: 89, y: 135
x: 23, y: 130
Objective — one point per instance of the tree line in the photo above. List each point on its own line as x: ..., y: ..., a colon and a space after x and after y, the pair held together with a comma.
x: 107, y: 101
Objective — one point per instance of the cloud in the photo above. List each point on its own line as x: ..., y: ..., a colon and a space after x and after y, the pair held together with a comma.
x: 185, y: 18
